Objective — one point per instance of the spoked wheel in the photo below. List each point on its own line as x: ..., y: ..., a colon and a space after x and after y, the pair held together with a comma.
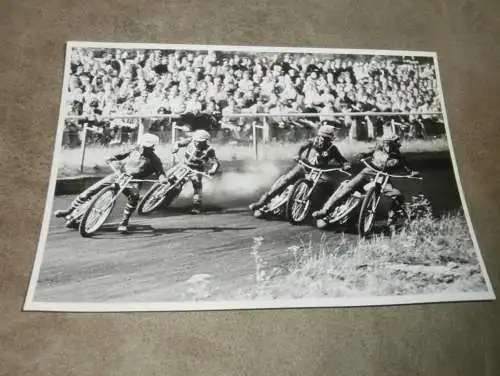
x: 341, y: 212
x: 97, y: 211
x: 76, y: 216
x: 368, y: 211
x: 298, y: 204
x: 276, y: 206
x: 158, y: 195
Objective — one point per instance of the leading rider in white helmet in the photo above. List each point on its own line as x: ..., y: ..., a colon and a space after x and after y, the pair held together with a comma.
x: 141, y: 162
x: 200, y: 156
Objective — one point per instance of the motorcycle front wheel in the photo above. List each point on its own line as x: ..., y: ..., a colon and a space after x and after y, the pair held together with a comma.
x: 368, y: 211
x: 299, y: 204
x: 98, y: 210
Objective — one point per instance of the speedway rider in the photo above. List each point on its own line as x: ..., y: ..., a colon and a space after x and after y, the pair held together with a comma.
x: 141, y: 162
x: 198, y: 153
x: 318, y: 152
x: 386, y: 157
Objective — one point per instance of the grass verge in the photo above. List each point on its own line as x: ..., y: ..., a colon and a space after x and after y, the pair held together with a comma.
x: 428, y: 256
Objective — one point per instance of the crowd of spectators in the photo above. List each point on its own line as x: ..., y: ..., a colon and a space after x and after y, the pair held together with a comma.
x: 208, y: 86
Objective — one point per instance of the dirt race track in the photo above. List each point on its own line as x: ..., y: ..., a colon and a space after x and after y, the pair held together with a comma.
x: 164, y: 251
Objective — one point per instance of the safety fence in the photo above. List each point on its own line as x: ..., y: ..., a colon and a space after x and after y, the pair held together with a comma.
x: 249, y: 128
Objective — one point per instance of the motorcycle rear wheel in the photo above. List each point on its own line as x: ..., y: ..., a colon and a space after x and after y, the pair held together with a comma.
x: 338, y: 215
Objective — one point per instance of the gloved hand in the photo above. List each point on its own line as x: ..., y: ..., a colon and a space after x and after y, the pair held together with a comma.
x: 346, y: 166
x: 211, y: 173
x: 392, y: 163
x: 414, y: 173
x: 163, y: 179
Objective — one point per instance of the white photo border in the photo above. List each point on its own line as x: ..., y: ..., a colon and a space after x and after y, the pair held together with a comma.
x: 31, y: 305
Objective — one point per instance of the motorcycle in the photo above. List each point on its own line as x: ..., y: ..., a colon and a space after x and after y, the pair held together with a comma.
x: 91, y: 215
x: 369, y: 200
x: 276, y: 206
x: 342, y: 213
x: 300, y: 199
x: 374, y: 191
x: 163, y: 194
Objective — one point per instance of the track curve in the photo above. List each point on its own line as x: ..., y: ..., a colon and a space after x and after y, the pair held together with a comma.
x: 165, y: 251
x: 160, y: 252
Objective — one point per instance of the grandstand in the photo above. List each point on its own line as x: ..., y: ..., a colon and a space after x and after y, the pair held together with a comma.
x: 115, y: 93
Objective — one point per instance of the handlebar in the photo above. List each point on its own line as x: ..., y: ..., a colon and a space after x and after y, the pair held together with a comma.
x: 300, y: 161
x: 175, y: 161
x: 119, y: 172
x: 198, y: 172
x: 391, y: 175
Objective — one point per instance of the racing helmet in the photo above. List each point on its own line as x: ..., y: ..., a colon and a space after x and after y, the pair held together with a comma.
x: 149, y: 140
x: 327, y: 131
x: 201, y: 135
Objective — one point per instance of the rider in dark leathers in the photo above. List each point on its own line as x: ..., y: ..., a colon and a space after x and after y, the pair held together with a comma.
x: 140, y: 161
x: 318, y: 152
x: 386, y: 157
x: 197, y: 154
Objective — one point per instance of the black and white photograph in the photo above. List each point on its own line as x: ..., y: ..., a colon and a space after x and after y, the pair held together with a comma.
x: 199, y: 177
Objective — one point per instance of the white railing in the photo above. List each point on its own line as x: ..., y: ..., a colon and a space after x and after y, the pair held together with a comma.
x: 262, y: 114
x: 255, y: 126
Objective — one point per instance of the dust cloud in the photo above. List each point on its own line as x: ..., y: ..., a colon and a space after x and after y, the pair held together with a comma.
x: 246, y: 182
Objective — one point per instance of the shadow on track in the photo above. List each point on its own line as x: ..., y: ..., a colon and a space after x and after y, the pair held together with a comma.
x: 147, y: 231
x: 206, y: 210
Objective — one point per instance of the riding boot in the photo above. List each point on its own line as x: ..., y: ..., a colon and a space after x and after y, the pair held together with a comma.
x: 127, y: 213
x: 260, y: 203
x: 71, y: 223
x: 329, y: 205
x: 67, y: 214
x: 196, y: 208
x: 70, y: 220
x: 275, y: 190
x: 63, y: 213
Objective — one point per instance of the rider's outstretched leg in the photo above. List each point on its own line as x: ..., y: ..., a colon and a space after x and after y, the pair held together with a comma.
x: 330, y: 203
x: 132, y: 194
x: 83, y: 197
x: 285, y: 180
x: 336, y: 197
x: 80, y: 200
x: 260, y: 202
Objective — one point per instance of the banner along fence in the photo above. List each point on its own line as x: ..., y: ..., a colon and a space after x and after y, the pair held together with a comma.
x: 249, y: 128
